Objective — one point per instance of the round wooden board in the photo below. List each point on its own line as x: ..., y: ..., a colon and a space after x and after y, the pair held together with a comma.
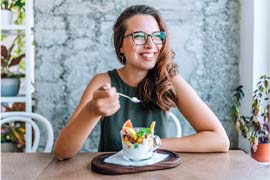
x: 98, y: 164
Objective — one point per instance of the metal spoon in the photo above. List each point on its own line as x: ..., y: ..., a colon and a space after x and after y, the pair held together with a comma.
x: 132, y: 99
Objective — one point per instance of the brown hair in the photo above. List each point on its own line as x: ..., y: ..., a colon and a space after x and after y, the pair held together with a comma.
x: 155, y: 90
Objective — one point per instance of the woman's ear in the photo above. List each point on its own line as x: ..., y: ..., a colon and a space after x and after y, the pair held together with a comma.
x: 121, y: 50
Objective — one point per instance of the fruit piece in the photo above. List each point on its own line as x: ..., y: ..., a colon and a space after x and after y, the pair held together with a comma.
x: 131, y: 132
x: 126, y: 124
x: 139, y: 140
x: 152, y: 126
x: 128, y: 144
x: 126, y: 139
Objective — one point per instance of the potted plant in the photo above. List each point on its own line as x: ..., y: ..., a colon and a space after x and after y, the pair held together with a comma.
x: 12, y: 137
x: 256, y: 127
x: 12, y: 134
x: 6, y: 11
x: 10, y: 80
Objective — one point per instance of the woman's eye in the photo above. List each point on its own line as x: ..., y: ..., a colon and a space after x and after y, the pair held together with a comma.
x: 160, y: 36
x: 156, y: 36
x: 139, y: 36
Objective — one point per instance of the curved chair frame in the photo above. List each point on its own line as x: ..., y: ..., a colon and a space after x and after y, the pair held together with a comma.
x: 177, y: 124
x: 27, y: 117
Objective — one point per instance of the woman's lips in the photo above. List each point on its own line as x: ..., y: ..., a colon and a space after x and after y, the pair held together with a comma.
x: 147, y: 55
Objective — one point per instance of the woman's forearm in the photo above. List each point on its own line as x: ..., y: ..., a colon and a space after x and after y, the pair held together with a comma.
x: 72, y: 137
x: 205, y: 141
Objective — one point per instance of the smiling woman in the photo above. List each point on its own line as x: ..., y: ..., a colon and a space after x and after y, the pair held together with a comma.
x: 149, y: 73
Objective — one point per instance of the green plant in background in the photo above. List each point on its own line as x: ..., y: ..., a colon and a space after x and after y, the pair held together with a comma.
x: 8, y: 60
x: 17, y: 6
x: 20, y: 49
x: 14, y: 132
x: 11, y: 4
x: 256, y: 128
x: 10, y: 57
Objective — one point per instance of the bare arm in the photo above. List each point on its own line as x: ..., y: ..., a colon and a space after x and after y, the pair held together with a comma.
x: 210, y: 136
x: 95, y: 103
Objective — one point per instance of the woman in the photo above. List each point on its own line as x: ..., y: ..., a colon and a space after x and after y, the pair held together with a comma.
x: 142, y: 46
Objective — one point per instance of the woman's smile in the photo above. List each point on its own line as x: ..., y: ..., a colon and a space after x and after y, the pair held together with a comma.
x: 148, y: 55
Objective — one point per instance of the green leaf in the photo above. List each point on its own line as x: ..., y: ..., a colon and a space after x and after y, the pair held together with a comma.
x: 136, y: 145
x: 140, y: 133
x: 148, y: 131
x: 144, y: 131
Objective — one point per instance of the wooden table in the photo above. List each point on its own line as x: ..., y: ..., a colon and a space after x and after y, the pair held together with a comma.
x: 233, y: 165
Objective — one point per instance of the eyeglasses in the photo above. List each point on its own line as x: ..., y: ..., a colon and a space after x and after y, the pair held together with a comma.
x: 140, y: 37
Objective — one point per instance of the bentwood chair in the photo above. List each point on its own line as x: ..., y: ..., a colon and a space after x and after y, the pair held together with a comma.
x: 32, y: 119
x: 173, y: 126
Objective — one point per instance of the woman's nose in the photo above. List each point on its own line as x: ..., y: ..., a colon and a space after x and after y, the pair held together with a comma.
x: 149, y: 43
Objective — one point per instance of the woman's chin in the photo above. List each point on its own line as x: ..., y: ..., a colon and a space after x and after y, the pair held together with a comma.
x: 148, y: 64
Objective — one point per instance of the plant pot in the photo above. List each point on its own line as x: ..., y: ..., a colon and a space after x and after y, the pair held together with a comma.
x: 10, y: 86
x: 6, y: 17
x: 262, y: 154
x: 8, y: 147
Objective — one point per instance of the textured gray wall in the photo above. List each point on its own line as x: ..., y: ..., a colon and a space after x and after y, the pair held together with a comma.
x: 74, y: 42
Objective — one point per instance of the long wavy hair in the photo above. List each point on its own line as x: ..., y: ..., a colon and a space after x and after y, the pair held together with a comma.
x: 156, y: 90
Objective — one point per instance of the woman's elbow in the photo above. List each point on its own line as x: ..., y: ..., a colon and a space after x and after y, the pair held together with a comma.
x: 58, y: 155
x: 62, y: 151
x: 224, y: 143
x: 61, y: 154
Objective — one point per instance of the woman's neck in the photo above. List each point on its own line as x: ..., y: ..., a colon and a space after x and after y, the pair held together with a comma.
x: 131, y: 77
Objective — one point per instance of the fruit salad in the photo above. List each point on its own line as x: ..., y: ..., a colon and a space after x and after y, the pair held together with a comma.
x: 133, y: 137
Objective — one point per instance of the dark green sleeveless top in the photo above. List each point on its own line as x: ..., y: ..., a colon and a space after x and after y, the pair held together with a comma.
x: 110, y: 139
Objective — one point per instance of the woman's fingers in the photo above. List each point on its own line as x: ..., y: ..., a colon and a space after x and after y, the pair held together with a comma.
x: 106, y: 100
x: 104, y: 92
x: 110, y: 108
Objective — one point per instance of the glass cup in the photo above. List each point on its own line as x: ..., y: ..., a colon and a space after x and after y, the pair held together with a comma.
x: 140, y: 149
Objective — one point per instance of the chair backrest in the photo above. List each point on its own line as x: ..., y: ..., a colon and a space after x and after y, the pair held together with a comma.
x: 173, y: 126
x: 31, y: 118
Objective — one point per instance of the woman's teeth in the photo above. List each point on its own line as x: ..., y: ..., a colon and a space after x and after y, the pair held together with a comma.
x: 147, y: 55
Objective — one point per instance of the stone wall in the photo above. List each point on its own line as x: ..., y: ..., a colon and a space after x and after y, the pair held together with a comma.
x: 74, y: 42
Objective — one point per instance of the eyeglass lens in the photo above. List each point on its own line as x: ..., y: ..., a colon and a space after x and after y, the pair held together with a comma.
x: 140, y: 38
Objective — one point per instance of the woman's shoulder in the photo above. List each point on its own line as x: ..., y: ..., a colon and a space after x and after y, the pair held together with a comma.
x: 110, y: 76
x: 97, y: 81
x: 182, y: 87
x: 177, y: 79
x: 101, y: 76
x: 104, y: 76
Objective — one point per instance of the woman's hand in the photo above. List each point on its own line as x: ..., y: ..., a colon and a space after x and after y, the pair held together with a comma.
x: 105, y: 101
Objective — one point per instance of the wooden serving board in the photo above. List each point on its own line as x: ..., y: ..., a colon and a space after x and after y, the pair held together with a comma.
x: 98, y: 164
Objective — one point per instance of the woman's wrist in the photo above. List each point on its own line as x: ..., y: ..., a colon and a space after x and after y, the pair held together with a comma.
x: 90, y: 108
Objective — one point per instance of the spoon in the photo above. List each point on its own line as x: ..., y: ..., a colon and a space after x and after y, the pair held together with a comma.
x: 132, y: 99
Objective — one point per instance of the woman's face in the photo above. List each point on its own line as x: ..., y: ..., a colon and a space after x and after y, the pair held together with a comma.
x: 141, y: 57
